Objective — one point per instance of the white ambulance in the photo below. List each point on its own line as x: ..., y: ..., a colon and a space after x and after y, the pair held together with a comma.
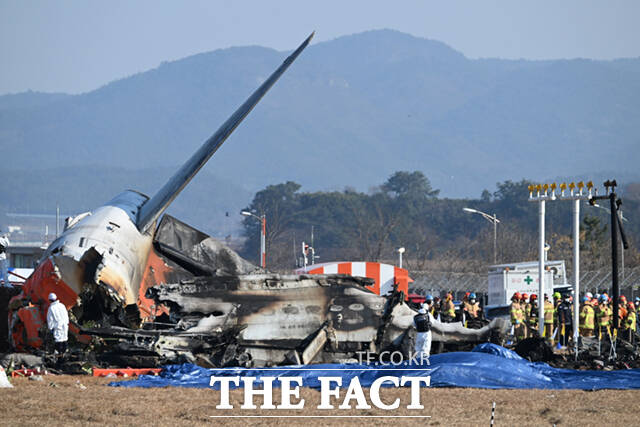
x: 523, y: 277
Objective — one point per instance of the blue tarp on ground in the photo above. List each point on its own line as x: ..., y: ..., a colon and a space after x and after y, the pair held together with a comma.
x: 487, y: 366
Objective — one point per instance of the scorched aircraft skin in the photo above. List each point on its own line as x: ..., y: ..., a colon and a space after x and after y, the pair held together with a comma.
x: 169, y: 293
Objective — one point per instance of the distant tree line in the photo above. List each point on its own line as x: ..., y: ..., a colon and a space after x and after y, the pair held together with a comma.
x: 437, y: 233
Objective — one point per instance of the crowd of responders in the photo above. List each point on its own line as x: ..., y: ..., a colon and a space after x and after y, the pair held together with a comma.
x: 595, y: 315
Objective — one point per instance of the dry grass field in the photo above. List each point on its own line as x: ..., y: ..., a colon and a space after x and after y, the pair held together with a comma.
x: 40, y: 403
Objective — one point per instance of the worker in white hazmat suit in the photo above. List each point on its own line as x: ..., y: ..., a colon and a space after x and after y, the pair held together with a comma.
x: 423, y: 337
x: 58, y: 323
x: 4, y: 262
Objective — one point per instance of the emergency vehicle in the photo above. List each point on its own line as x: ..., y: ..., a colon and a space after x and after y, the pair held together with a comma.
x: 522, y: 277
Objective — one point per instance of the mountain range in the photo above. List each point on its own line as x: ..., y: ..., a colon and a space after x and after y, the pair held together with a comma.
x: 348, y: 113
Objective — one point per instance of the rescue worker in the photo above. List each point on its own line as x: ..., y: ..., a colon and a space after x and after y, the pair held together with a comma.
x: 549, y: 314
x: 428, y: 304
x: 517, y: 317
x: 622, y: 309
x: 637, y: 305
x: 630, y: 322
x: 557, y: 299
x: 524, y: 300
x: 423, y: 336
x: 532, y: 313
x: 4, y: 266
x: 587, y: 323
x: 472, y: 307
x: 58, y: 323
x: 603, y: 317
x: 565, y: 321
x: 448, y: 309
x: 526, y: 308
x: 437, y: 304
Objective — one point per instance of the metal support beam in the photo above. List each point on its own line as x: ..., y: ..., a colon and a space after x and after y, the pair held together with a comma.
x: 541, y: 215
x: 576, y: 270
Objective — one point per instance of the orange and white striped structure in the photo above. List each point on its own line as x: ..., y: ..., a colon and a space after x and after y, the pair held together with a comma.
x: 385, y: 275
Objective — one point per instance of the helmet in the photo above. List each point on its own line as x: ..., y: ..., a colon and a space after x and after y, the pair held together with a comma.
x: 585, y: 299
x: 472, y: 295
x: 467, y: 294
x: 589, y: 294
x: 516, y: 296
x: 428, y: 298
x: 422, y: 310
x: 534, y: 297
x: 556, y: 295
x: 631, y: 306
x: 603, y: 298
x: 623, y: 298
x: 637, y: 299
x: 52, y: 297
x: 525, y: 296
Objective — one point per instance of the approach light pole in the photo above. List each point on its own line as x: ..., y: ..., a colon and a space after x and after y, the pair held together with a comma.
x: 263, y: 236
x: 495, y: 222
x: 540, y: 194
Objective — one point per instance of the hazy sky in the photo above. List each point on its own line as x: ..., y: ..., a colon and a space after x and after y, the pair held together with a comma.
x: 76, y: 46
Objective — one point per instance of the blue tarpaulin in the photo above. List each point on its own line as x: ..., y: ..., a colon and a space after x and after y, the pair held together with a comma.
x: 486, y: 366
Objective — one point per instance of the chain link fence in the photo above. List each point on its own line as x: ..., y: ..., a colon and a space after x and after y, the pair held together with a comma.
x: 437, y: 283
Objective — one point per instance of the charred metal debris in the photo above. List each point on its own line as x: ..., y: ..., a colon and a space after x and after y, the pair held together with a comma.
x: 213, y: 308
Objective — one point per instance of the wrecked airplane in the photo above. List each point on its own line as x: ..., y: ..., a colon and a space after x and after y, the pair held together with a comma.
x: 234, y: 314
x: 143, y: 293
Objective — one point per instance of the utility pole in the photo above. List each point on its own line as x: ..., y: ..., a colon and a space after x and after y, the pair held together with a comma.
x: 263, y: 236
x: 495, y: 238
x: 57, y: 219
x: 616, y: 225
x: 313, y: 254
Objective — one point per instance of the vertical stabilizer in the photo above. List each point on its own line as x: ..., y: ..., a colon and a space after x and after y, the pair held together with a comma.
x: 153, y: 208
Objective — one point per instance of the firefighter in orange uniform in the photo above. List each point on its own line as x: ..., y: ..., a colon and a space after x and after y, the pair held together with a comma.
x: 517, y: 317
x: 587, y: 317
x: 630, y: 322
x: 448, y: 309
x: 526, y: 310
x: 472, y: 307
x: 549, y: 316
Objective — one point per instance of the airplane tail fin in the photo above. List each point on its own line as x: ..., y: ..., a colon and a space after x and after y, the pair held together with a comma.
x: 154, y: 207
